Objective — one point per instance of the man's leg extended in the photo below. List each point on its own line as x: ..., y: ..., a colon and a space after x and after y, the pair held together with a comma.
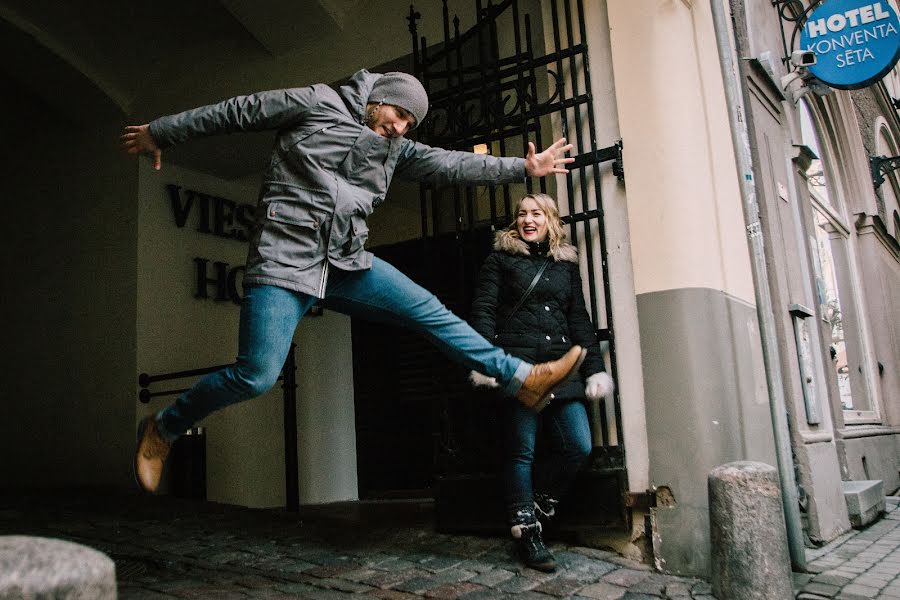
x: 384, y: 293
x: 269, y: 316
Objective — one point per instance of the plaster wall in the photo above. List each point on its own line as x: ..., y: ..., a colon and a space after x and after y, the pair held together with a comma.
x: 68, y: 259
x: 287, y: 52
x: 709, y: 406
x: 705, y: 395
x: 787, y: 227
x: 874, y: 457
x: 823, y: 500
x: 881, y: 284
x: 176, y: 331
x: 687, y: 227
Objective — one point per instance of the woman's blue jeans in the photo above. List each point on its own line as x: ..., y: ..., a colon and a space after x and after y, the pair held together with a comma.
x: 269, y: 316
x: 568, y: 437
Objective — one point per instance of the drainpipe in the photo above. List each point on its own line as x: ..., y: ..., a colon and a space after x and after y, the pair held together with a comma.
x: 741, y: 141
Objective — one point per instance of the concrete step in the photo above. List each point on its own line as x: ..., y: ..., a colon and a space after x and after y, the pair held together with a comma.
x: 865, y: 500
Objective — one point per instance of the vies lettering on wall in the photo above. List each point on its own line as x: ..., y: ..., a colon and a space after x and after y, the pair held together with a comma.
x: 220, y: 217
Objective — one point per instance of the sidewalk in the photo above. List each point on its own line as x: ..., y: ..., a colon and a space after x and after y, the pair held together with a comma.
x: 166, y: 548
x: 859, y: 565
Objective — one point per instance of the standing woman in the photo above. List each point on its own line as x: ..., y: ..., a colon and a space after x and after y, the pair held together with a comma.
x: 530, y: 303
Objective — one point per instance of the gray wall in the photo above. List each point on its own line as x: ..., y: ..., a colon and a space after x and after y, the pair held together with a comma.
x: 69, y: 257
x: 706, y: 405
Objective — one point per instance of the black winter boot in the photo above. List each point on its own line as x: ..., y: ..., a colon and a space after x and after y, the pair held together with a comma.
x: 526, y: 531
x: 544, y: 506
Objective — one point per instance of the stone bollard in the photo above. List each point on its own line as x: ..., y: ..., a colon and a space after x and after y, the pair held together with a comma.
x: 37, y: 568
x: 750, y: 559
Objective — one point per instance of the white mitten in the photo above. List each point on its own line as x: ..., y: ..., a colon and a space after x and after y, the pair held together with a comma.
x: 482, y: 381
x: 599, y: 385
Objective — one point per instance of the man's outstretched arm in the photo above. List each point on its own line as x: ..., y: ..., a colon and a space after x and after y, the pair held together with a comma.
x: 257, y: 112
x: 420, y: 162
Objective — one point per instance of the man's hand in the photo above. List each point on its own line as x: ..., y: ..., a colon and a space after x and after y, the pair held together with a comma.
x: 137, y: 140
x: 549, y: 161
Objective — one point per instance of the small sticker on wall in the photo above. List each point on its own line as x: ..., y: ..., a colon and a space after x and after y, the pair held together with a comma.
x: 782, y: 191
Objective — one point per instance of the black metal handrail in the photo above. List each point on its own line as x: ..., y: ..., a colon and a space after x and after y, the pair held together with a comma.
x: 288, y: 379
x: 144, y: 380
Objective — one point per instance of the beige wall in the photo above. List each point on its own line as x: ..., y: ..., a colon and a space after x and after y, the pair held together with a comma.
x: 175, y: 331
x: 703, y: 378
x: 687, y: 228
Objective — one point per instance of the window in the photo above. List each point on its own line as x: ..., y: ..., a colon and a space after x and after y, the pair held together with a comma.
x: 835, y: 280
x: 889, y: 191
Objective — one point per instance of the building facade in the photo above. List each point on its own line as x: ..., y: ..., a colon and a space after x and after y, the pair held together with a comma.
x: 106, y: 255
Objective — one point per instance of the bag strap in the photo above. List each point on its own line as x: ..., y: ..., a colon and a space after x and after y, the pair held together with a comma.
x: 537, y: 277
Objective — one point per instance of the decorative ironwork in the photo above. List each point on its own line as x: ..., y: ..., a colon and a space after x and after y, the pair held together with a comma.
x: 881, y: 166
x: 502, y: 96
x: 793, y: 11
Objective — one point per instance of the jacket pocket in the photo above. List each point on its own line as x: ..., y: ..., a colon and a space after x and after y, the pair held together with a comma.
x: 292, y: 233
x: 360, y: 233
x: 285, y: 143
x: 364, y: 164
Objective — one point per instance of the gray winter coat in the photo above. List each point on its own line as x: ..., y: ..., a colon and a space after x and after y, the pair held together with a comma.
x: 327, y: 173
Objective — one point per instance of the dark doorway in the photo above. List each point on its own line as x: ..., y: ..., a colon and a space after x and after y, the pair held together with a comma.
x: 404, y: 388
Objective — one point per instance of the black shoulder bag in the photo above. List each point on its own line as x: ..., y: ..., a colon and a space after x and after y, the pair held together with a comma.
x: 537, y: 277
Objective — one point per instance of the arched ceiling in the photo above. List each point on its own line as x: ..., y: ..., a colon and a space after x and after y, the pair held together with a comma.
x: 143, y: 59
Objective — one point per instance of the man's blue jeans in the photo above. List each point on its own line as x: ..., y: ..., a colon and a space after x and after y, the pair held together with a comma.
x: 568, y: 435
x: 269, y: 316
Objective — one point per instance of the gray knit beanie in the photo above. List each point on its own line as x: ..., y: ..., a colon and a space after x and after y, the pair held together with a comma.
x: 403, y: 90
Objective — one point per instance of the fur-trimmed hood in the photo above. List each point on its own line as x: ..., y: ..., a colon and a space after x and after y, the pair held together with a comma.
x: 505, y: 241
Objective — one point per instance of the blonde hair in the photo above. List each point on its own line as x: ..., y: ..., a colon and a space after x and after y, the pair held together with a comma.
x: 556, y: 232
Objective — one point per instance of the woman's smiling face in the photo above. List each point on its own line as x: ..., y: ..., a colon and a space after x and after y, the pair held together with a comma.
x: 531, y: 221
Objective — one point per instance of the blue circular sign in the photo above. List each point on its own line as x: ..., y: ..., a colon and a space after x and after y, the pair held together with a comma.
x: 856, y: 42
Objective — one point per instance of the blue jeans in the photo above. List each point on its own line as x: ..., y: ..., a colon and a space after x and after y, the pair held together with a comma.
x: 269, y: 316
x: 565, y: 424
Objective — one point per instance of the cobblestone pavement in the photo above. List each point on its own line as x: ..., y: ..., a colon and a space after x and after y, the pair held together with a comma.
x: 167, y: 548
x: 859, y: 565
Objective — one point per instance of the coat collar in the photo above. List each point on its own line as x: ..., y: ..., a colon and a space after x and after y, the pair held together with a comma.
x: 505, y: 241
x: 355, y: 92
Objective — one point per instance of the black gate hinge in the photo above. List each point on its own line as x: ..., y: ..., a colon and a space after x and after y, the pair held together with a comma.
x: 610, y: 153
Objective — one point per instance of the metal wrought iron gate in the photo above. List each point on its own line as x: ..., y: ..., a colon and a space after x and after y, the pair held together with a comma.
x: 506, y: 81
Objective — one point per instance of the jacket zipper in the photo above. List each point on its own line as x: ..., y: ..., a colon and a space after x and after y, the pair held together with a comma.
x: 324, y: 281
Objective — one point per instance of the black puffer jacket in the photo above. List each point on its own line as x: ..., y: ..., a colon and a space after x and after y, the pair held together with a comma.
x: 553, y: 317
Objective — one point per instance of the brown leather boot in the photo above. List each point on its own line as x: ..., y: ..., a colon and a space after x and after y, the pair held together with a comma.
x: 152, y: 450
x: 537, y: 391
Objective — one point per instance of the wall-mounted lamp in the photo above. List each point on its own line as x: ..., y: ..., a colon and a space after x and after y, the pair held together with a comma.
x: 480, y: 149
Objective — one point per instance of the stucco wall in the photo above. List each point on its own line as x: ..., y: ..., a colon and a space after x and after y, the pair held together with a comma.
x: 68, y: 320
x: 176, y: 331
x: 703, y: 379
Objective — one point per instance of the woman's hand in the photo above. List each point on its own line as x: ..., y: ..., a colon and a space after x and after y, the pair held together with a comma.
x: 599, y: 385
x: 482, y: 381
